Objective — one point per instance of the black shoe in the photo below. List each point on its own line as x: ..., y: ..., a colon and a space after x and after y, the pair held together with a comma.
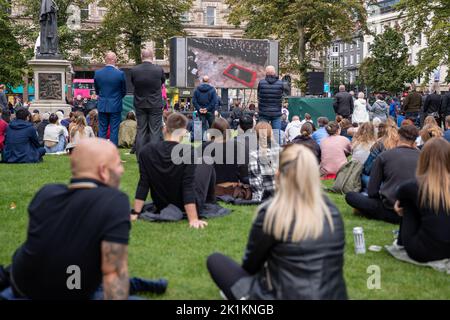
x: 154, y: 286
x: 4, y: 279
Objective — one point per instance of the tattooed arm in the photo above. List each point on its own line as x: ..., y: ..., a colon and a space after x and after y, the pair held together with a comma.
x: 115, y: 271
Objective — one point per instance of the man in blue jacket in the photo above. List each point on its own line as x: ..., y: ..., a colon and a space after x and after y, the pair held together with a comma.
x: 205, y: 101
x: 110, y: 87
x: 270, y: 98
x: 21, y: 141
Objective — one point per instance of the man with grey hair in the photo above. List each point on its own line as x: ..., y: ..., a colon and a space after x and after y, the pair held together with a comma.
x: 270, y: 97
x: 147, y: 79
x: 343, y: 103
x: 111, y: 88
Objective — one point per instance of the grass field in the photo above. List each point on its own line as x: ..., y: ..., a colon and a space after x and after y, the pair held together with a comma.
x: 178, y: 253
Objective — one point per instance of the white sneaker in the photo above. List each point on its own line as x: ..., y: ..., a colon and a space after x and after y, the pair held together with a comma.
x: 223, y: 295
x: 396, y: 246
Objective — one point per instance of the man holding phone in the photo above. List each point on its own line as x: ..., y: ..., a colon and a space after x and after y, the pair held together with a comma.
x: 205, y: 101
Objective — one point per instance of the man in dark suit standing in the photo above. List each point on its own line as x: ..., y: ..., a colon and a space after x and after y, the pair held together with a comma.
x: 110, y: 87
x: 343, y: 103
x: 147, y: 79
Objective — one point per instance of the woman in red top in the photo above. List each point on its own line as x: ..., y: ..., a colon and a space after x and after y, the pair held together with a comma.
x: 3, y: 127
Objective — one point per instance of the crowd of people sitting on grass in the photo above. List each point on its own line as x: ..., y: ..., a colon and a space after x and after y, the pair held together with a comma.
x: 396, y: 174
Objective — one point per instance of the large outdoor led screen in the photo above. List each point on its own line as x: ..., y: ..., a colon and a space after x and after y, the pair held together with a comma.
x: 229, y: 63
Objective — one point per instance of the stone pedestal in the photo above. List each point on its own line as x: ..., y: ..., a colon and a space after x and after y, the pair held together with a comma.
x: 49, y: 85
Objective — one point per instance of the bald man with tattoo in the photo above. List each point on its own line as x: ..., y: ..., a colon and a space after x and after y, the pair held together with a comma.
x: 77, y: 239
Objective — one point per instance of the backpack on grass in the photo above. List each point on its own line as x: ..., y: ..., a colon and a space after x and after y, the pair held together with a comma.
x: 348, y: 178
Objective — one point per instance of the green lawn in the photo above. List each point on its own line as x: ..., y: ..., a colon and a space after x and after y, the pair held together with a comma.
x: 178, y: 253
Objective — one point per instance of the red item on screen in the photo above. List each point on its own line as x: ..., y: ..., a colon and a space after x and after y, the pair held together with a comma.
x: 251, y: 73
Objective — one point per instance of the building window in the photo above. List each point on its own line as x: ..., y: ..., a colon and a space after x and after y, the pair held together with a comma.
x: 84, y: 13
x: 358, y: 58
x: 342, y: 47
x: 185, y: 17
x: 357, y: 44
x: 159, y: 49
x: 210, y: 16
x: 345, y: 60
x: 345, y: 46
x: 336, y: 48
x: 335, y: 61
x: 351, y: 59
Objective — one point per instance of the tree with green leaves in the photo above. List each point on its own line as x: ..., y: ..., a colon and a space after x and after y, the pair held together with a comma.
x: 431, y: 19
x: 129, y: 24
x: 70, y: 37
x: 388, y: 67
x: 13, y: 63
x: 302, y: 27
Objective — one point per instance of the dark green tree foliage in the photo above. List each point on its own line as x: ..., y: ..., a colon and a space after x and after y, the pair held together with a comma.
x: 432, y: 19
x: 128, y: 24
x: 13, y: 63
x: 388, y: 68
x: 302, y: 26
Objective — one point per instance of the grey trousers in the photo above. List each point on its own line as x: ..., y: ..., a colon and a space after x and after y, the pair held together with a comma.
x: 149, y: 127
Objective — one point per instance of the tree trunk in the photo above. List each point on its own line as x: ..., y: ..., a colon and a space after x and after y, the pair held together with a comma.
x: 136, y: 48
x: 302, y: 58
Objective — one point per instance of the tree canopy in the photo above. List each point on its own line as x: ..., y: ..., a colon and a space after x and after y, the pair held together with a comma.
x: 431, y: 19
x: 128, y: 24
x: 302, y: 26
x: 388, y: 68
x: 13, y: 63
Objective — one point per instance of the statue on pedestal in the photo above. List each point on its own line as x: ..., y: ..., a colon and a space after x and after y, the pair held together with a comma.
x: 48, y: 48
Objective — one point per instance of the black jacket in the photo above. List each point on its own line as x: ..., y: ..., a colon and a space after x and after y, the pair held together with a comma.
x: 311, y: 269
x: 445, y: 109
x: 270, y: 95
x: 343, y: 104
x: 432, y: 104
x: 413, y: 102
x: 40, y: 130
x: 310, y: 143
x: 391, y: 168
x: 147, y: 79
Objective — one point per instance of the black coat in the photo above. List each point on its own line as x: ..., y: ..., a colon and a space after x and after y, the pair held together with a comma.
x: 270, y: 95
x: 310, y: 143
x: 343, y: 104
x: 310, y: 269
x: 147, y: 79
x: 432, y: 103
x: 445, y: 109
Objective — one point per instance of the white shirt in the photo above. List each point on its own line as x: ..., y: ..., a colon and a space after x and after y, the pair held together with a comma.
x: 293, y: 129
x: 52, y: 132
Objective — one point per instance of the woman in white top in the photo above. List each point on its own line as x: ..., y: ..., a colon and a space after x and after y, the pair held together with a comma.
x: 362, y: 142
x: 360, y: 113
x: 54, y: 136
x: 80, y: 130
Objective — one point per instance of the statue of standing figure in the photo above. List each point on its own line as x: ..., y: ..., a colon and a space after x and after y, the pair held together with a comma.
x: 49, y: 29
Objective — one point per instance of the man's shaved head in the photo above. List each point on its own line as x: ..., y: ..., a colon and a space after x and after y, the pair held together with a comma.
x: 205, y: 79
x: 110, y: 58
x: 147, y: 55
x: 270, y: 71
x: 97, y: 159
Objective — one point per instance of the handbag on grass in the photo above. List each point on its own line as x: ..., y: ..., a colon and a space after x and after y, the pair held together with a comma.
x: 236, y: 190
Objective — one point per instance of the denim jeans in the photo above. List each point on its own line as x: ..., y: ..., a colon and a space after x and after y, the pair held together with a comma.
x: 275, y: 122
x: 57, y: 148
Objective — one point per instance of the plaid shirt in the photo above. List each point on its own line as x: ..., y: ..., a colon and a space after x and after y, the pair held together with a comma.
x: 261, y: 168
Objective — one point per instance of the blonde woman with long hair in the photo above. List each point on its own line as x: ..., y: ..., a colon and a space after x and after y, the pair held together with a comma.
x: 363, y: 140
x: 424, y: 205
x: 80, y: 130
x: 296, y: 237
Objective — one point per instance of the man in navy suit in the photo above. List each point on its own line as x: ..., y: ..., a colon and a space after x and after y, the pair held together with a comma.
x: 110, y: 87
